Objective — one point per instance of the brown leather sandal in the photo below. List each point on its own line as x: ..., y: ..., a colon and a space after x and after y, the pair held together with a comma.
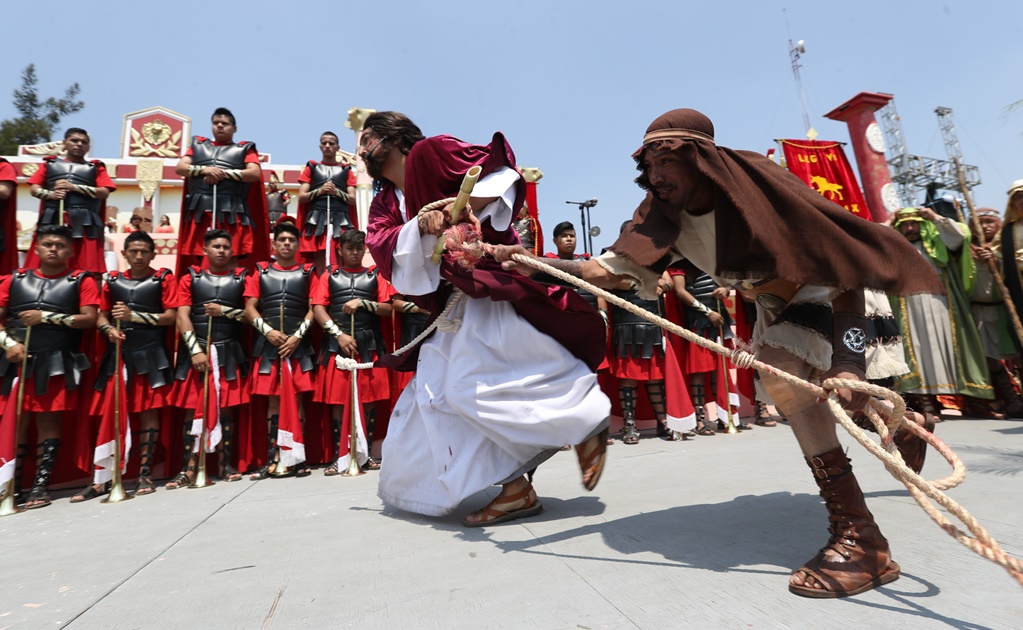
x: 592, y: 456
x: 494, y: 514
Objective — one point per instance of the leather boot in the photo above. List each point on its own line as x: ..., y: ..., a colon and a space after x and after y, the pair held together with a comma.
x: 628, y: 398
x: 912, y: 448
x: 46, y: 457
x: 856, y: 557
x: 1002, y: 383
x: 227, y: 470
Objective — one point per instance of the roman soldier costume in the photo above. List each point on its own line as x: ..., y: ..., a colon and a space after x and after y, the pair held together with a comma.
x: 324, y: 210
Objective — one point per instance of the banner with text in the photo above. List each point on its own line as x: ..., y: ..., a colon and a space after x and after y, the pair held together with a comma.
x: 823, y: 166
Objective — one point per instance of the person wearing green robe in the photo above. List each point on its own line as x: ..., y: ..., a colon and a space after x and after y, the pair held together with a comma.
x: 943, y: 349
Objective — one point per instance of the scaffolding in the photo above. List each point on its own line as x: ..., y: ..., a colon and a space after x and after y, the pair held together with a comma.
x: 913, y: 174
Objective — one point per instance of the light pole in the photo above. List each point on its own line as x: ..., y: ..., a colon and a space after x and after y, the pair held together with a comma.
x: 584, y: 218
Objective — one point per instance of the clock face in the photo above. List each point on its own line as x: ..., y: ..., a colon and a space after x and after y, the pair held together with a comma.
x: 890, y: 198
x: 875, y: 139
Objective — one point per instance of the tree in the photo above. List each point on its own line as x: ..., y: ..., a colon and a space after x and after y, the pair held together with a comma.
x: 38, y: 119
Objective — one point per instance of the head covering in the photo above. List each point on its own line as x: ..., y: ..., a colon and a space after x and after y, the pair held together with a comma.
x: 1011, y: 214
x: 768, y: 223
x: 936, y: 248
x: 988, y: 212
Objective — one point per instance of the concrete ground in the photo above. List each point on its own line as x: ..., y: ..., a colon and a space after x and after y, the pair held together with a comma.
x: 699, y: 534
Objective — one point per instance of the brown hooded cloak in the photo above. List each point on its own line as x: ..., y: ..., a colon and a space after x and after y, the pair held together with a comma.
x: 768, y: 223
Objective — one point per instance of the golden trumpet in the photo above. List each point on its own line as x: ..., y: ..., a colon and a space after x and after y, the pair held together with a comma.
x: 202, y: 480
x: 117, y: 493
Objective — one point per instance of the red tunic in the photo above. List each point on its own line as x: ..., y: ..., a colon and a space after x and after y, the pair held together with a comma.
x: 141, y: 395
x: 88, y: 252
x: 333, y: 386
x: 57, y: 398
x: 270, y: 384
x: 9, y: 220
x: 313, y: 244
x: 187, y: 394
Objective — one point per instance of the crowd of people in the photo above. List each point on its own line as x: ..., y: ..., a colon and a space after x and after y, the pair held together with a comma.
x: 244, y: 344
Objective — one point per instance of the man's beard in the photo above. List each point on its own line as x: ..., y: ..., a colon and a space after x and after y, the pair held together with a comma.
x: 375, y: 161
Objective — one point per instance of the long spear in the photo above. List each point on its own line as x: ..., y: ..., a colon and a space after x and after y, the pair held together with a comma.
x: 731, y: 430
x: 1010, y: 306
x: 8, y: 507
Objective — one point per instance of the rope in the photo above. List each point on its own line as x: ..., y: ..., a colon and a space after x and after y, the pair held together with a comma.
x: 886, y: 420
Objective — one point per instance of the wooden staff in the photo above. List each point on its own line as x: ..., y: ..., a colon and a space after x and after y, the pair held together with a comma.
x: 354, y: 470
x: 464, y: 192
x: 213, y: 222
x: 8, y: 507
x: 1010, y: 306
x: 117, y: 493
x: 328, y: 233
x: 202, y: 480
x: 60, y: 213
x: 731, y: 430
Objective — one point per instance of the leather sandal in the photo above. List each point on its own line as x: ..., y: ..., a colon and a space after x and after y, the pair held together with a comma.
x: 371, y: 464
x: 144, y: 485
x: 494, y: 514
x: 90, y: 492
x: 592, y: 456
x: 331, y: 471
x: 182, y: 480
x: 37, y: 498
x: 262, y: 473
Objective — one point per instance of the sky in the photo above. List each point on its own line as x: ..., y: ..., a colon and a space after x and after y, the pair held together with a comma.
x: 572, y: 84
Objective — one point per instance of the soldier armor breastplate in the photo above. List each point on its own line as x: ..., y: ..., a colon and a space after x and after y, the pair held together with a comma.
x: 231, y: 194
x: 287, y: 291
x: 632, y: 335
x: 344, y: 286
x: 143, y: 296
x: 82, y: 174
x: 82, y: 211
x: 412, y: 325
x: 227, y: 290
x: 316, y: 217
x: 59, y: 295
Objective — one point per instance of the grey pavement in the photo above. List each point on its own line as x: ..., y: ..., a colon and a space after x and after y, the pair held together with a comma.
x: 699, y: 534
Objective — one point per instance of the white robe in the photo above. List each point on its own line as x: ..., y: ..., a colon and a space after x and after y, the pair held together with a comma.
x: 489, y: 400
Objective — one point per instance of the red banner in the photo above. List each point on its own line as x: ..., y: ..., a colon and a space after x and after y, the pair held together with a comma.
x: 823, y: 166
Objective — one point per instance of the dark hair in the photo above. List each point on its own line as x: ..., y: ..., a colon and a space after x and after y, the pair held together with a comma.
x: 286, y: 227
x: 62, y: 231
x: 135, y: 216
x: 75, y: 130
x: 563, y: 227
x: 213, y: 235
x: 685, y: 150
x: 140, y: 236
x: 396, y: 127
x: 352, y: 237
x: 330, y: 133
x: 223, y: 111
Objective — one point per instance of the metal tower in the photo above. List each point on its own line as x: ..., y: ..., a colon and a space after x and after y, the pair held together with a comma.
x: 913, y: 174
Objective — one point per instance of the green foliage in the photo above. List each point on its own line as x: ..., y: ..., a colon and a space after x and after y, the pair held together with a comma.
x: 38, y: 119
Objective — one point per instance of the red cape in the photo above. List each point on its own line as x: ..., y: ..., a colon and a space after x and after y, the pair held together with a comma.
x: 9, y: 219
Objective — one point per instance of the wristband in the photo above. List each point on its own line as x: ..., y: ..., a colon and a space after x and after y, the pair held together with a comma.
x: 195, y: 171
x: 58, y: 319
x: 698, y: 305
x: 303, y: 328
x: 260, y: 324
x: 331, y: 328
x: 88, y: 191
x: 144, y: 318
x: 369, y: 305
x: 6, y: 341
x: 603, y: 316
x: 849, y: 340
x: 190, y: 342
x: 409, y: 307
x: 232, y: 313
x: 233, y: 173
x: 105, y: 328
x: 42, y: 193
x: 314, y: 193
x: 342, y: 195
